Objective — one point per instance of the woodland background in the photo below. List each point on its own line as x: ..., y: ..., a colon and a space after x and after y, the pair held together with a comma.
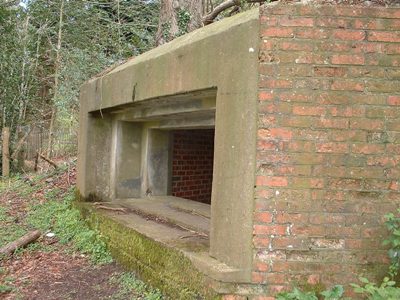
x: 48, y: 48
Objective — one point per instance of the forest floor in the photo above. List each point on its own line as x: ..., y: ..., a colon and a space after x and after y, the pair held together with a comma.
x: 69, y: 260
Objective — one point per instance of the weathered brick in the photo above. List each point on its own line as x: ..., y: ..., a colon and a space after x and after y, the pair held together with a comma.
x: 233, y: 297
x: 275, y: 289
x: 348, y: 135
x: 297, y: 121
x: 336, y: 46
x: 332, y: 147
x: 283, y: 218
x: 296, y: 46
x: 383, y: 86
x: 295, y: 96
x: 276, y: 278
x: 346, y: 59
x: 332, y: 123
x: 296, y: 21
x: 347, y: 111
x: 263, y: 217
x: 392, y: 48
x: 262, y: 298
x: 382, y: 36
x: 393, y: 100
x: 265, y: 96
x: 333, y: 22
x: 367, y: 124
x: 267, y: 69
x: 277, y: 32
x: 261, y: 266
x: 385, y: 60
x: 309, y: 110
x: 308, y: 230
x: 279, y: 133
x: 268, y: 20
x: 327, y: 219
x: 328, y: 162
x: 270, y: 229
x: 366, y: 24
x: 261, y: 242
x: 275, y: 83
x: 311, y: 58
x: 296, y: 71
x: 367, y: 148
x: 311, y: 33
x: 330, y: 71
x: 266, y: 45
x: 272, y: 181
x: 347, y: 85
x: 269, y: 145
x: 300, y: 146
x: 304, y: 182
x: 351, y: 35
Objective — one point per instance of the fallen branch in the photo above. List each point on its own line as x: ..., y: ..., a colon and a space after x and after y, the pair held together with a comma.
x: 21, y: 242
x: 49, y: 161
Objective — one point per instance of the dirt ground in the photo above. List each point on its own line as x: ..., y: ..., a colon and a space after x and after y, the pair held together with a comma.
x: 55, y: 275
x: 52, y: 271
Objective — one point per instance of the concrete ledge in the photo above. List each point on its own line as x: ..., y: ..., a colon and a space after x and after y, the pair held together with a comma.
x: 167, y: 256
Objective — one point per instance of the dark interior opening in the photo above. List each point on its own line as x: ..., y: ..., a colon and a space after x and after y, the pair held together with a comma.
x: 192, y: 164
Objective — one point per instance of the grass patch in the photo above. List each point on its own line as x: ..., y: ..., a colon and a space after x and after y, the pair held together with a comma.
x: 61, y: 218
x: 48, y: 206
x: 55, y: 214
x: 10, y: 230
x: 133, y: 289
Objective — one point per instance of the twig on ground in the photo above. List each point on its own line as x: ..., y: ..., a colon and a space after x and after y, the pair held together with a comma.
x: 49, y: 161
x: 21, y: 242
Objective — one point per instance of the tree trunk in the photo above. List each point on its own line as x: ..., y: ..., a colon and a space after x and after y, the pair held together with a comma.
x: 6, y: 152
x: 178, y: 17
x: 56, y: 81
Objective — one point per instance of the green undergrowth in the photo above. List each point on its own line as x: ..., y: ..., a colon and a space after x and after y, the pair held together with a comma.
x: 130, y: 288
x: 335, y: 293
x: 55, y: 213
x: 9, y: 229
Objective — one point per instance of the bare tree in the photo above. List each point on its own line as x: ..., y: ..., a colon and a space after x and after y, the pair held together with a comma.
x: 56, y: 79
x: 178, y: 17
x: 181, y: 16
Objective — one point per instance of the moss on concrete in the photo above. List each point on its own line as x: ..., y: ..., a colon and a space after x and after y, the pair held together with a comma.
x: 159, y: 265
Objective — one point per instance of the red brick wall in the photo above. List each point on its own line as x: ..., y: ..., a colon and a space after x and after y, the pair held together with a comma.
x: 192, y: 164
x: 328, y: 143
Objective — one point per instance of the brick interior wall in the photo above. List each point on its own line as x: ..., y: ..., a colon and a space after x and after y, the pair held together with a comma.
x: 192, y: 164
x: 328, y: 143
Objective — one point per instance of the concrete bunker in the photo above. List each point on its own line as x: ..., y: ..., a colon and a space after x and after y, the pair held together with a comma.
x: 130, y: 116
x: 304, y: 115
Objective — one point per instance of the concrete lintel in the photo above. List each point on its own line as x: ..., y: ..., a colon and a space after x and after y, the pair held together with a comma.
x: 141, y: 113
